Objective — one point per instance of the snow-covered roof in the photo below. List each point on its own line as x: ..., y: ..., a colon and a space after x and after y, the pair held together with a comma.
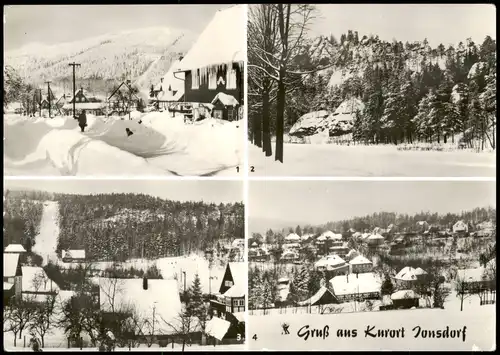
x: 471, y: 275
x: 460, y: 225
x: 306, y: 236
x: 7, y: 286
x: 225, y: 99
x: 404, y: 294
x: 316, y: 297
x: 352, y: 284
x: 10, y: 263
x: 375, y: 236
x: 237, y: 290
x: 239, y: 271
x: 283, y: 279
x: 222, y: 42
x: 292, y: 237
x: 162, y: 296
x: 15, y: 248
x: 329, y: 235
x: 240, y: 316
x: 74, y: 254
x: 85, y: 106
x: 36, y: 280
x: 359, y: 260
x: 289, y: 253
x: 330, y: 261
x: 217, y: 327
x: 409, y: 274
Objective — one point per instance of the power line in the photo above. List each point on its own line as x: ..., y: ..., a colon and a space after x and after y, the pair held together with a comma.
x: 74, y: 65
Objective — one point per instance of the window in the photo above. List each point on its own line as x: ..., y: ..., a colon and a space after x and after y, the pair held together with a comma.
x: 235, y: 303
x: 230, y: 114
x: 242, y: 302
x: 231, y: 79
x: 212, y: 80
x: 218, y: 114
x: 228, y: 283
x: 195, y: 79
x: 228, y: 309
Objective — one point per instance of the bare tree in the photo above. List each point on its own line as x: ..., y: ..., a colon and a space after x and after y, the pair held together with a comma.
x: 182, y: 326
x: 18, y: 315
x: 463, y: 290
x: 43, y: 318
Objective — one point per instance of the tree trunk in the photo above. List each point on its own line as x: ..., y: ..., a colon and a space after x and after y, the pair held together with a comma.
x: 461, y: 304
x: 15, y: 339
x: 266, y: 144
x: 257, y: 131
x: 280, y: 116
x: 43, y: 341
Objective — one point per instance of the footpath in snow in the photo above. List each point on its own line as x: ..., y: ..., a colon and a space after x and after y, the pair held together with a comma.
x: 160, y: 145
x: 337, y: 160
x: 46, y: 240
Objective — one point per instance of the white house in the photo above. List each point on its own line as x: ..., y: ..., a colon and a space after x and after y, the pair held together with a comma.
x: 15, y: 248
x: 360, y: 264
x: 332, y: 263
x: 408, y: 276
x: 375, y: 239
x: 460, y: 227
x: 292, y: 237
x: 74, y: 255
x: 360, y: 286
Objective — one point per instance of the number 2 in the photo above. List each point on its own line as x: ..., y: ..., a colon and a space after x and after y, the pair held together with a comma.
x: 252, y: 169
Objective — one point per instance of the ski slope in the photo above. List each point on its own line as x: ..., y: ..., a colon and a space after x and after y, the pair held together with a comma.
x: 160, y: 145
x: 46, y: 240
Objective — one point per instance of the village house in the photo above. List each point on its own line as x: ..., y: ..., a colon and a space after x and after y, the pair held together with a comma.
x: 213, y: 67
x: 408, y: 276
x: 155, y: 301
x: 475, y: 280
x: 36, y: 285
x: 12, y: 276
x: 15, y: 248
x: 460, y: 228
x: 123, y: 100
x: 289, y: 256
x: 73, y: 256
x: 92, y: 105
x: 375, y: 240
x: 322, y: 297
x: 360, y: 264
x: 405, y: 299
x: 333, y: 265
x: 356, y: 287
x: 339, y: 248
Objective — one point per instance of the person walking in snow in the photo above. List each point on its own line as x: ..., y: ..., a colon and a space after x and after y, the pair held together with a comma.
x: 82, y: 120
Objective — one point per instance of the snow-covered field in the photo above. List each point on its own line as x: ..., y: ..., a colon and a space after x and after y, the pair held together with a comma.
x: 160, y: 145
x: 478, y: 320
x: 337, y: 160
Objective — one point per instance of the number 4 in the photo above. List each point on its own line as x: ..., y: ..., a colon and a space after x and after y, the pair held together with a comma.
x: 254, y: 337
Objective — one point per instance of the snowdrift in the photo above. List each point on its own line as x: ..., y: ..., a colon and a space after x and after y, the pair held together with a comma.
x: 160, y: 144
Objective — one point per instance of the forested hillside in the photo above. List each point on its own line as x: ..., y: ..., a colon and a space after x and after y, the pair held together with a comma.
x: 401, y: 222
x: 121, y: 226
x: 410, y: 91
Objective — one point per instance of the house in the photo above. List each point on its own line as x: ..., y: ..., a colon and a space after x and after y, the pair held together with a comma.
x: 15, y: 248
x: 408, y: 276
x: 225, y: 107
x: 214, y: 64
x: 14, y: 107
x: 360, y: 264
x: 92, y: 105
x: 12, y: 276
x: 170, y: 89
x: 73, y: 256
x: 289, y: 256
x: 356, y: 287
x: 322, y: 297
x: 292, y: 237
x: 460, y: 227
x: 405, y: 299
x: 475, y: 280
x: 422, y: 226
x: 375, y: 240
x: 122, y: 100
x: 333, y: 265
x: 306, y: 237
x: 156, y: 302
x: 235, y: 272
x: 79, y: 97
x: 340, y: 250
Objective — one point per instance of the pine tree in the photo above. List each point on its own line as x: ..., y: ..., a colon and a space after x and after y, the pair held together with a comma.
x: 301, y: 282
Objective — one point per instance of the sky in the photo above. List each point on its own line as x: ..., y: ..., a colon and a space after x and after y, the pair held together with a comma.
x: 224, y: 191
x: 439, y: 23
x: 318, y: 202
x: 52, y: 24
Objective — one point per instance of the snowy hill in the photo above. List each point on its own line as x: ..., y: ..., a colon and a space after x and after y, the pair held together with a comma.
x: 142, y: 55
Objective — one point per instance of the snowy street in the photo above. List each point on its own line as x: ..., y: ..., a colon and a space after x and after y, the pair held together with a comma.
x: 160, y: 145
x: 46, y: 240
x: 335, y: 160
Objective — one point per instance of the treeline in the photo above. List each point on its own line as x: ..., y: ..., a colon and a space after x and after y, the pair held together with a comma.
x: 21, y: 221
x: 411, y: 92
x: 121, y: 226
x: 400, y: 222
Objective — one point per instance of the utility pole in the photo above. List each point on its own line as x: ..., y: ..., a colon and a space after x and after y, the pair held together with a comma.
x: 184, y: 282
x: 48, y: 96
x: 74, y: 65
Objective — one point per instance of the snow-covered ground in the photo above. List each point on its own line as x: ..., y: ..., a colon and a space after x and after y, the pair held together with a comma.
x: 338, y: 160
x: 478, y: 320
x: 160, y: 145
x: 46, y: 240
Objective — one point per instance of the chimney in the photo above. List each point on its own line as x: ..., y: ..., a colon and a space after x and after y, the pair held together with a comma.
x: 161, y: 80
x: 145, y: 283
x: 347, y: 276
x: 357, y: 275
